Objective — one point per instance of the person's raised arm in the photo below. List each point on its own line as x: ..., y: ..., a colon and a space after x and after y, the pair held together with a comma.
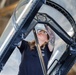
x: 22, y: 46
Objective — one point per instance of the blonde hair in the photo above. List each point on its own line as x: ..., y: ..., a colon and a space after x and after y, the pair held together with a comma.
x: 33, y: 43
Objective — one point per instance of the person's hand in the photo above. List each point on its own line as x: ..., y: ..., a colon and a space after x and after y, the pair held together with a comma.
x: 50, y: 46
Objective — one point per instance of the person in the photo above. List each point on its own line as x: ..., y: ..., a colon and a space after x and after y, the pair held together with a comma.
x: 30, y: 63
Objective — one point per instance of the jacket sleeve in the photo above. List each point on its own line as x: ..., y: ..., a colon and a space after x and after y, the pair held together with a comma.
x: 22, y: 46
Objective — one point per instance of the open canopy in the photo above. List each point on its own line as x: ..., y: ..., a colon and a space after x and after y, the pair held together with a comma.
x: 47, y: 10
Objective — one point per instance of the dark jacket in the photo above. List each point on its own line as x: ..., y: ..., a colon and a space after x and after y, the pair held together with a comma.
x: 30, y: 64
